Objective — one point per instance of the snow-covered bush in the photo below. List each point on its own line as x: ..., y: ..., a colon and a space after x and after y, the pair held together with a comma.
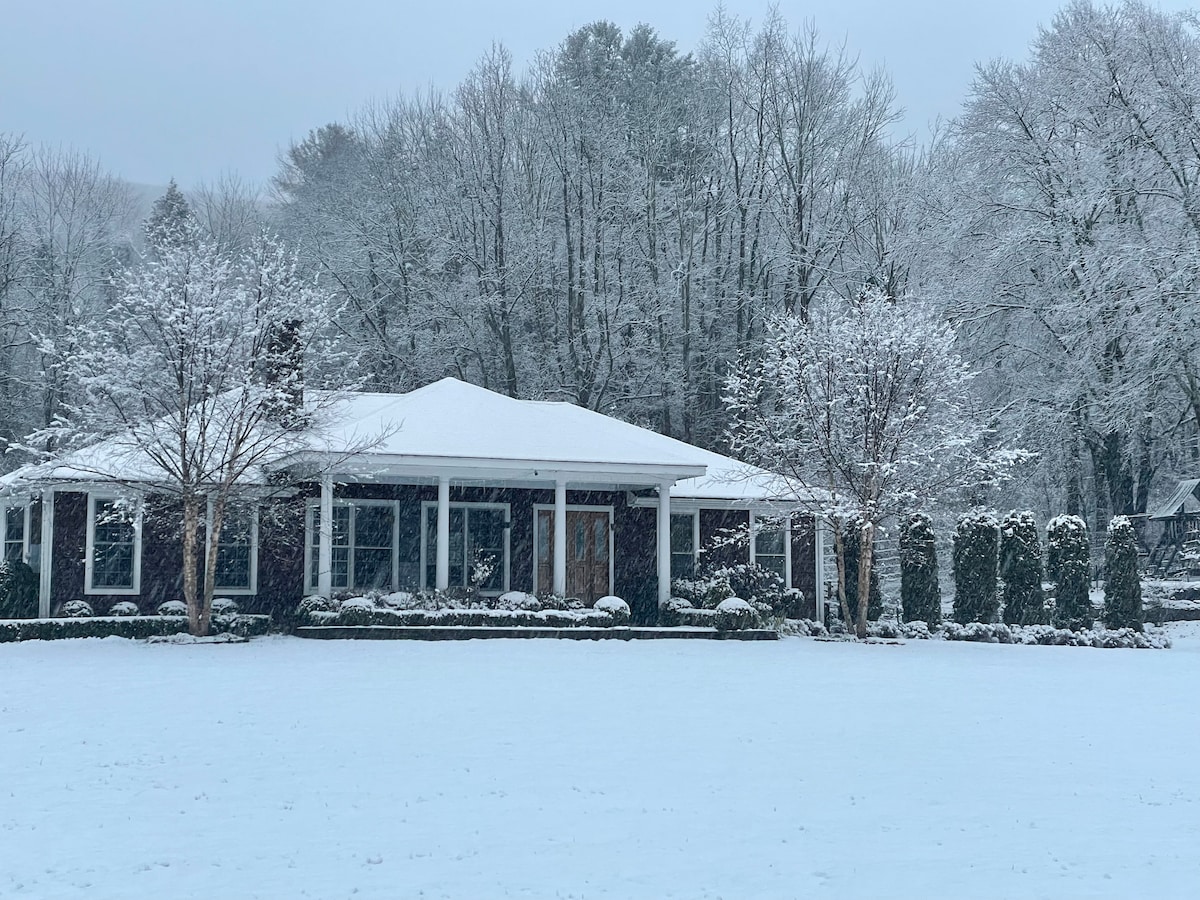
x: 124, y: 608
x: 315, y: 604
x: 561, y: 604
x: 669, y: 612
x: 77, y: 609
x: 801, y: 628
x: 1021, y: 569
x: 735, y: 614
x: 615, y: 607
x: 1122, y: 585
x: 172, y: 608
x: 975, y: 559
x: 224, y: 606
x: 400, y: 600
x: 761, y: 587
x: 518, y: 600
x: 920, y: 594
x: 356, y: 611
x: 1068, y: 559
x: 134, y: 627
x: 18, y: 590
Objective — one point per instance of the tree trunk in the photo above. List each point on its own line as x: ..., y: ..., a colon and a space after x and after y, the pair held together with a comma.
x: 197, y: 622
x: 839, y: 545
x: 210, y: 561
x: 866, y: 556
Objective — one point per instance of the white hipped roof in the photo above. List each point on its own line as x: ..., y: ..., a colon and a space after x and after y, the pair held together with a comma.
x: 454, y: 425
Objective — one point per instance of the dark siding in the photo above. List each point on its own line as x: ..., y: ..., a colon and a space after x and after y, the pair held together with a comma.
x: 804, y: 576
x: 70, y: 545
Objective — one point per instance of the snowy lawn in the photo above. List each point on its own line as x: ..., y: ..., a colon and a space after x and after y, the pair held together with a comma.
x: 287, y: 768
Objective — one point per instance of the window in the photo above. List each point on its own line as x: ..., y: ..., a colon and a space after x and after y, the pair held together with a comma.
x: 364, y: 548
x: 237, y: 551
x: 478, y: 546
x: 770, y: 547
x: 683, y: 544
x: 14, y: 532
x: 114, y: 547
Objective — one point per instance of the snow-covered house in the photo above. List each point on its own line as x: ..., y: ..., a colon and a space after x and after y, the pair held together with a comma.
x: 457, y: 486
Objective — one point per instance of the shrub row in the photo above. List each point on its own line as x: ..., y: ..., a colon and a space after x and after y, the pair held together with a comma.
x: 354, y: 615
x: 1044, y: 635
x: 123, y: 626
x: 731, y: 614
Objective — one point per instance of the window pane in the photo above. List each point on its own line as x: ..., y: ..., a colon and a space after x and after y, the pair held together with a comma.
x: 769, y: 542
x: 373, y: 526
x: 600, y: 531
x: 340, y: 567
x: 14, y: 524
x: 545, y: 529
x: 486, y: 547
x: 112, y: 547
x: 233, y: 567
x: 372, y: 568
x: 683, y: 565
x: 580, y: 539
x: 682, y: 534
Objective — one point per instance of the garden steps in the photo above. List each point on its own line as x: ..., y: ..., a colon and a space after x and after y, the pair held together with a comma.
x: 474, y: 632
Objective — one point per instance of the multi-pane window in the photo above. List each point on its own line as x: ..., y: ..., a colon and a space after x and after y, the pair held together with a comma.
x: 478, y: 551
x: 236, y: 551
x: 14, y: 533
x: 770, y: 550
x: 113, y: 551
x: 683, y: 545
x: 363, y: 546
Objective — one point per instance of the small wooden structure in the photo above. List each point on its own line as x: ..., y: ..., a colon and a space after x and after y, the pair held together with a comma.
x: 1177, y: 549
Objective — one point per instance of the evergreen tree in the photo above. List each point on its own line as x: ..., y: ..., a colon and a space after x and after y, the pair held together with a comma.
x: 852, y: 539
x: 920, y: 595
x: 975, y: 562
x: 1068, y: 558
x: 1122, y: 586
x: 1021, y: 569
x: 170, y: 223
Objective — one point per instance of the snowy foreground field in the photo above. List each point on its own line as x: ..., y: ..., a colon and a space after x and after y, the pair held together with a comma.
x: 286, y: 768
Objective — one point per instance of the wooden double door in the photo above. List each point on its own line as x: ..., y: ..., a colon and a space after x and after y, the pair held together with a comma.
x: 589, y: 553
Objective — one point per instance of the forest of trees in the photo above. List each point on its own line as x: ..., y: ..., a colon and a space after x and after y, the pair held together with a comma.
x: 617, y: 226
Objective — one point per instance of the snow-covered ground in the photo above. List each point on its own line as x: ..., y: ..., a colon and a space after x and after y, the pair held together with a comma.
x: 286, y: 768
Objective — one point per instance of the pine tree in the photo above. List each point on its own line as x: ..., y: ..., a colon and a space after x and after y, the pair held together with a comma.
x: 975, y: 561
x: 1122, y: 586
x: 1021, y: 569
x: 170, y: 223
x: 1068, y: 558
x: 920, y: 594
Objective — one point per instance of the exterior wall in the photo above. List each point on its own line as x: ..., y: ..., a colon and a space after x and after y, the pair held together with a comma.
x: 282, y: 538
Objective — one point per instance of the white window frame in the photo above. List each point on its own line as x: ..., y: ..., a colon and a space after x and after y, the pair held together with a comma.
x: 5, y: 505
x: 233, y: 591
x: 314, y: 505
x: 573, y: 507
x: 695, y: 514
x: 786, y: 527
x: 90, y: 554
x: 470, y: 504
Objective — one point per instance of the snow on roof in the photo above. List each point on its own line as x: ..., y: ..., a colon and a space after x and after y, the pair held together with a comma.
x: 1184, y: 496
x: 454, y: 420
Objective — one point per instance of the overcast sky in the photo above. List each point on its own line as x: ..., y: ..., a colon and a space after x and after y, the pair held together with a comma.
x: 191, y: 88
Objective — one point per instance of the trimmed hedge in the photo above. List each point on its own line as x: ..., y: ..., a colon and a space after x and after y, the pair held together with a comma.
x: 135, y: 627
x: 1043, y: 635
x: 356, y: 614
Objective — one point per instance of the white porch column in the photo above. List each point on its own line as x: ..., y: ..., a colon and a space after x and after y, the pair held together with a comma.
x: 46, y: 564
x: 560, y: 537
x: 442, y: 573
x: 325, y: 539
x: 787, y: 552
x: 664, y: 542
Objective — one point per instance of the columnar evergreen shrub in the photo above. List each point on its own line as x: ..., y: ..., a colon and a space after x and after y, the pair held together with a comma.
x: 1122, y: 586
x: 920, y: 595
x: 1067, y: 559
x: 851, y: 539
x: 1021, y: 569
x: 975, y: 561
x: 18, y: 590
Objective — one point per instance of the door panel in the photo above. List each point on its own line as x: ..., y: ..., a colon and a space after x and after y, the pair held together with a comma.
x: 587, y: 553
